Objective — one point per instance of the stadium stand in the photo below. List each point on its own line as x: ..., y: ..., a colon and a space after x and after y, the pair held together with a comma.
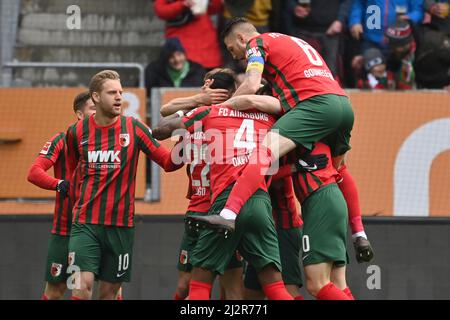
x: 111, y: 31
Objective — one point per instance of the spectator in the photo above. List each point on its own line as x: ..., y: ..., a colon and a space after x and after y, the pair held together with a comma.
x: 195, y: 31
x: 377, y: 77
x: 363, y: 20
x: 439, y: 11
x: 320, y: 23
x: 402, y: 48
x: 173, y: 69
x: 369, y: 19
x: 258, y: 12
x: 432, y: 63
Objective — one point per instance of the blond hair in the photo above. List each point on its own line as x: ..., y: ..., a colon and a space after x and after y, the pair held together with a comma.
x: 96, y: 83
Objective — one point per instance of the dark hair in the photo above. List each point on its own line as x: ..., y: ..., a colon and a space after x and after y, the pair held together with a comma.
x: 80, y: 100
x: 231, y: 24
x: 224, y: 78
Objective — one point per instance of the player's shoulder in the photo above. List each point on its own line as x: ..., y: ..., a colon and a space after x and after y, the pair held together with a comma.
x: 200, y: 110
x: 57, y: 137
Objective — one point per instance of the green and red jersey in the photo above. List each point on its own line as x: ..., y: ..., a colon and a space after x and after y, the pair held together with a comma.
x: 107, y: 157
x: 305, y: 183
x: 198, y: 172
x: 54, y: 151
x: 284, y: 207
x: 231, y: 136
x: 294, y: 68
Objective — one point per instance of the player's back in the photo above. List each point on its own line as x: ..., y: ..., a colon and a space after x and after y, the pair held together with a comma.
x: 232, y: 135
x: 295, y: 68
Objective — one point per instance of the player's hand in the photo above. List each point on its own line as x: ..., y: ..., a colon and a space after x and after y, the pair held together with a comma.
x: 335, y: 28
x: 216, y: 96
x: 63, y: 187
x: 363, y: 250
x: 312, y: 162
x: 356, y: 31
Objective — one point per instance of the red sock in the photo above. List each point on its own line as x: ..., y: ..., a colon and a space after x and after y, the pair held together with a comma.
x: 251, y: 179
x: 199, y: 290
x: 76, y: 298
x: 276, y: 291
x: 177, y: 297
x: 348, y: 293
x: 44, y: 297
x: 331, y: 292
x: 350, y: 192
x: 299, y: 297
x: 119, y: 297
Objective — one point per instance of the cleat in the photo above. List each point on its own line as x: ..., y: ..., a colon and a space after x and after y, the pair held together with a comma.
x: 215, y: 222
x: 363, y: 250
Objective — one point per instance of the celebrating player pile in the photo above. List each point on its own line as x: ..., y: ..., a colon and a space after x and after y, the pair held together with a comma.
x: 315, y: 109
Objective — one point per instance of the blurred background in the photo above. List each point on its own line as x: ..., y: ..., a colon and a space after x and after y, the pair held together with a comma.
x: 393, y: 58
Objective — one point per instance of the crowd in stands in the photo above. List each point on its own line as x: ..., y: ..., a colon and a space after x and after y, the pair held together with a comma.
x: 367, y: 44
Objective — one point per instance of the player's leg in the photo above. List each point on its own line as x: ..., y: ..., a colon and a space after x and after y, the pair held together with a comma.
x: 56, y: 268
x: 117, y: 255
x: 85, y: 255
x: 184, y: 266
x: 54, y: 291
x: 289, y: 242
x: 339, y: 143
x: 339, y: 280
x: 108, y: 290
x: 85, y: 288
x: 324, y: 240
x: 259, y: 245
x: 182, y: 290
x: 119, y: 295
x: 231, y: 280
x: 211, y: 254
x: 252, y: 287
x: 311, y: 121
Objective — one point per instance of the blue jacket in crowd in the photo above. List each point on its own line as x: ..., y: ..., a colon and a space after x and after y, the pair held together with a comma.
x: 362, y: 13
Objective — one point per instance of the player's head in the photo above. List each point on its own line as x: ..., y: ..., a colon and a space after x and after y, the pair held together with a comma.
x: 236, y: 34
x: 83, y: 106
x: 221, y: 78
x: 106, y: 92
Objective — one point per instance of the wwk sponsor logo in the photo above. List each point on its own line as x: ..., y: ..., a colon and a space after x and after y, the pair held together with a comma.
x: 104, y: 159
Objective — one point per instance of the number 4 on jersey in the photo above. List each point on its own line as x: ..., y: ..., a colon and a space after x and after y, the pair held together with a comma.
x: 248, y: 127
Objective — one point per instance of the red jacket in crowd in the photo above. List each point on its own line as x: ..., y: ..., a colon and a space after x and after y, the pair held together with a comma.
x: 198, y: 35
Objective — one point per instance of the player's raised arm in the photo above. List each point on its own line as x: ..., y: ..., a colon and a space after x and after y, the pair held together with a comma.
x: 266, y: 104
x: 208, y: 97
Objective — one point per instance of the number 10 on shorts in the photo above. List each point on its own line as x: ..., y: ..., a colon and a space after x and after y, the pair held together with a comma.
x: 124, y: 261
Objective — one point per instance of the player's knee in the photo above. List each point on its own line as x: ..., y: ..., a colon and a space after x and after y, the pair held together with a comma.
x: 55, y: 291
x: 183, y: 289
x: 314, y: 286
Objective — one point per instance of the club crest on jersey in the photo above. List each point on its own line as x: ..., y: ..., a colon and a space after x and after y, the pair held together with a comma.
x: 55, y: 269
x: 71, y: 258
x: 253, y: 52
x: 183, y: 257
x: 46, y: 147
x: 124, y: 139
